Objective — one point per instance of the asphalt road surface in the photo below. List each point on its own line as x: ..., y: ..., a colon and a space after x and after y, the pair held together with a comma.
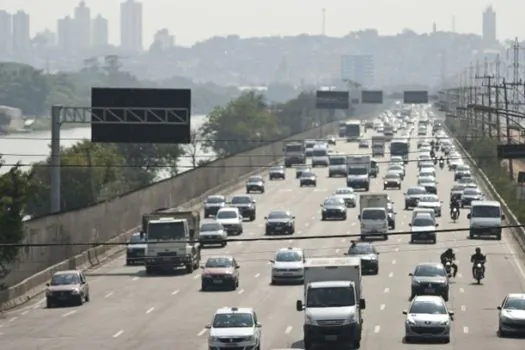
x: 131, y: 311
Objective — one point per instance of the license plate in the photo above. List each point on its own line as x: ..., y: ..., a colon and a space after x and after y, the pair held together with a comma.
x: 287, y: 274
x: 166, y: 259
x: 330, y: 337
x: 217, y: 281
x: 430, y: 290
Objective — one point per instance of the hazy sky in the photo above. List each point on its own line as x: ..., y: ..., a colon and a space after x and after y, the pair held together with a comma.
x: 195, y: 20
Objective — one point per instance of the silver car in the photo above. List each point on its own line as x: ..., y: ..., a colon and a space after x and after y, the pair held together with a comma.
x: 512, y: 315
x: 430, y: 201
x: 211, y: 233
x: 348, y: 195
x: 428, y: 318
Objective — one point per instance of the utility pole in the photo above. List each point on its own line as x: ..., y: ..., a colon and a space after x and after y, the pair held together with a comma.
x: 498, y: 106
x: 486, y: 81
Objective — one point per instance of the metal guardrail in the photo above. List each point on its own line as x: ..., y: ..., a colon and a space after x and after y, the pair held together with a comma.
x: 517, y: 232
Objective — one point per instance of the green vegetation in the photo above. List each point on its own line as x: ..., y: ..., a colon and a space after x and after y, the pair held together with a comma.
x: 15, y: 187
x: 483, y: 150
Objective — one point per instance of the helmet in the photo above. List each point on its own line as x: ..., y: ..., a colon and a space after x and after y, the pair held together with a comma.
x: 450, y: 250
x: 478, y: 250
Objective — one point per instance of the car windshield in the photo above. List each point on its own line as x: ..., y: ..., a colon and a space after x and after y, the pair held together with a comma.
x: 215, y: 200
x: 373, y: 214
x: 278, y: 215
x: 361, y: 249
x: 333, y: 201
x: 226, y: 214
x: 392, y: 176
x: 212, y: 226
x: 241, y: 200
x: 344, y: 191
x: 429, y: 271
x: 64, y: 279
x: 337, y: 160
x: 515, y: 304
x: 255, y: 179
x: 413, y: 191
x: 219, y: 262
x: 277, y: 168
x: 395, y: 168
x: 471, y: 192
x: 485, y: 211
x: 330, y: 297
x: 462, y: 168
x: 422, y: 221
x: 429, y: 199
x: 307, y: 174
x: 233, y: 320
x: 136, y: 239
x: 428, y: 307
x: 458, y: 188
x: 426, y: 182
x: 289, y: 256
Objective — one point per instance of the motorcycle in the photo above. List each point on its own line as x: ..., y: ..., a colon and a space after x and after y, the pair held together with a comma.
x: 435, y: 160
x: 441, y: 164
x: 448, y: 268
x: 454, y: 215
x: 478, y: 272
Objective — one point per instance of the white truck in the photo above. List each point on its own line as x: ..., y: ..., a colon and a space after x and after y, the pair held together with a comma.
x: 333, y: 302
x: 172, y: 240
x: 378, y: 146
x: 358, y: 172
x: 373, y: 209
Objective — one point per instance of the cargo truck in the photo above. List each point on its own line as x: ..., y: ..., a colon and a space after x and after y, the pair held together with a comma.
x: 373, y: 209
x: 294, y: 153
x: 378, y: 146
x: 172, y: 240
x: 353, y: 131
x: 333, y: 302
x: 358, y: 172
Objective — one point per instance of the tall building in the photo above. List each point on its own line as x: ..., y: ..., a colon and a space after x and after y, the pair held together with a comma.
x: 131, y: 26
x: 359, y: 69
x: 100, y: 33
x: 66, y: 34
x: 21, y: 33
x: 489, y: 25
x: 163, y: 40
x: 82, y: 26
x: 6, y: 34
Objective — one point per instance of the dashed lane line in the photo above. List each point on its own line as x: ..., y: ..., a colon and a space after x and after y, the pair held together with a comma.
x: 201, y: 333
x: 150, y: 310
x: 118, y: 334
x: 288, y: 330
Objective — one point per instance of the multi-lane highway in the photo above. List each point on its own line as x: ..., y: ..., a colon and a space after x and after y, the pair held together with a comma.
x: 129, y: 310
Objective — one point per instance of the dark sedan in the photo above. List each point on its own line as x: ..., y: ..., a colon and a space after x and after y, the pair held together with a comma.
x: 308, y: 178
x: 333, y: 208
x: 469, y: 195
x: 246, y: 206
x: 255, y: 184
x: 300, y: 169
x: 280, y: 222
x: 392, y: 180
x: 413, y: 195
x: 136, y: 249
x: 368, y: 254
x: 429, y: 279
x: 277, y: 172
x: 212, y: 204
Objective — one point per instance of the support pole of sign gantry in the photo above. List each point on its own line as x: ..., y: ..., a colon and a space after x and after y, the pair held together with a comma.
x: 55, y: 160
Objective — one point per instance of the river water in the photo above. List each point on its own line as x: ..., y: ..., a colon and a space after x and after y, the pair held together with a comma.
x: 34, y: 147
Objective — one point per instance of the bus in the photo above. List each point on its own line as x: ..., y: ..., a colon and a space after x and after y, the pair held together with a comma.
x: 401, y: 148
x: 353, y: 130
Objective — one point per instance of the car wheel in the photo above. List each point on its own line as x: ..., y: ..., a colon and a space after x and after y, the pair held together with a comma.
x: 445, y: 296
x: 203, y: 287
x: 87, y: 298
x: 49, y: 304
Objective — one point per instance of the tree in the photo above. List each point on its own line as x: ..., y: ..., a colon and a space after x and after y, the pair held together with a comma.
x: 192, y: 150
x: 15, y: 187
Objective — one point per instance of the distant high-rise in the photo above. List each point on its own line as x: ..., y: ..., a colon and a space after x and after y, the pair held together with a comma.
x: 359, y: 69
x: 489, y: 25
x: 21, y: 33
x: 66, y: 34
x: 100, y: 32
x: 6, y: 33
x: 131, y: 26
x: 82, y: 26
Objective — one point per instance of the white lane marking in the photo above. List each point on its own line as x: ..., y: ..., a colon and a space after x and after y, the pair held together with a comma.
x: 288, y: 330
x: 201, y: 332
x: 238, y: 243
x: 398, y: 240
x: 241, y: 291
x: 353, y: 224
x: 391, y: 274
x: 465, y: 329
x: 394, y: 262
x: 285, y: 190
x: 463, y: 308
x: 320, y: 190
x: 337, y: 251
x: 134, y: 278
x: 461, y: 290
x: 290, y: 240
x: 306, y: 224
x: 196, y: 276
x: 382, y: 307
x: 257, y: 275
x: 150, y: 310
x: 514, y: 256
x: 25, y: 313
x: 459, y: 275
x: 175, y: 292
x: 69, y: 313
x: 343, y: 240
x: 396, y: 249
x: 377, y: 329
x: 118, y: 334
x: 108, y: 295
x: 13, y: 319
x: 387, y: 290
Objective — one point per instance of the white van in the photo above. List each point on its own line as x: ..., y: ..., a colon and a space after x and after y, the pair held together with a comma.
x: 320, y: 156
x: 485, y: 219
x: 374, y: 223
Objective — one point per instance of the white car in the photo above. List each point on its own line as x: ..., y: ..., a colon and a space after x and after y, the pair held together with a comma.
x: 234, y: 325
x: 428, y: 318
x: 397, y: 168
x: 231, y: 219
x: 423, y: 228
x: 430, y: 201
x: 512, y: 315
x: 211, y: 233
x: 348, y: 195
x: 288, y: 265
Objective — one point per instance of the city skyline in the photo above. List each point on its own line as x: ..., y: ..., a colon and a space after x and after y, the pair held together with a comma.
x: 183, y: 20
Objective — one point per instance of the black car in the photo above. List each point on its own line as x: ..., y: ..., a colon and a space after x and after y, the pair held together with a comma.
x: 277, y: 172
x: 255, y: 184
x: 413, y: 195
x: 333, y: 208
x: 300, y: 169
x: 246, y: 206
x: 469, y: 195
x: 212, y: 204
x: 392, y: 180
x: 136, y: 249
x: 308, y: 178
x: 461, y: 171
x: 368, y: 254
x: 280, y: 221
x: 429, y: 279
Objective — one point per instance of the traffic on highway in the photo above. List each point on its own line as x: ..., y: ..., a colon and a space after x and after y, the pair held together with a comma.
x: 396, y: 186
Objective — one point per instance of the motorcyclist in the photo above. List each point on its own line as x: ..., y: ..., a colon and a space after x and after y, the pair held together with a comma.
x: 432, y: 153
x: 476, y: 258
x: 449, y: 255
x: 454, y: 204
